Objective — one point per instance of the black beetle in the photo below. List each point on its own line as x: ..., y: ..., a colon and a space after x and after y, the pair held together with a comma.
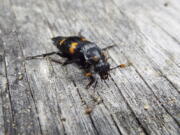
x: 86, y: 54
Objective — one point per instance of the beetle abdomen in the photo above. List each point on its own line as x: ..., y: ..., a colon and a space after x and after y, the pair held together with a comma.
x: 69, y: 45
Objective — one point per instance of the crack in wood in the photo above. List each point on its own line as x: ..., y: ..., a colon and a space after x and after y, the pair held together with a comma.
x: 30, y: 89
x: 145, y: 130
x: 86, y: 106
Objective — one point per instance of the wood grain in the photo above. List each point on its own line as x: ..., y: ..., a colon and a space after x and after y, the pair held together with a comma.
x: 39, y: 97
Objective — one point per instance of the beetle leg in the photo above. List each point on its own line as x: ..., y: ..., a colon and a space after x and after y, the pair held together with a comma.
x: 108, y: 47
x: 43, y: 55
x: 95, y: 85
x: 54, y: 60
x: 70, y: 61
x: 61, y: 54
x: 120, y: 66
x: 63, y: 63
x: 92, y: 80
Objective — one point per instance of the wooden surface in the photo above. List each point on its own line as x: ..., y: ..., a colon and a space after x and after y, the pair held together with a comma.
x: 39, y: 97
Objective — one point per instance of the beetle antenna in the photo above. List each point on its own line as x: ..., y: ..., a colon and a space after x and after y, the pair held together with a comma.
x: 118, y: 66
x: 114, y: 67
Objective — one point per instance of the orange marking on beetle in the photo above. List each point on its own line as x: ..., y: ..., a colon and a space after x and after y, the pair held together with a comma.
x: 62, y: 41
x: 73, y: 47
x: 88, y: 74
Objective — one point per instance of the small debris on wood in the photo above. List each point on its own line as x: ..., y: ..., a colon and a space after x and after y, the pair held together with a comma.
x: 146, y: 106
x: 20, y: 76
x: 129, y: 63
x: 142, y: 133
x: 98, y: 99
x: 172, y: 100
x: 88, y: 110
x: 166, y: 4
x: 166, y: 117
x: 13, y: 125
x: 83, y: 102
x: 63, y: 119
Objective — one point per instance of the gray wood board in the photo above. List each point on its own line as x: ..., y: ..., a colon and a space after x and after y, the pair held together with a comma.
x: 42, y: 97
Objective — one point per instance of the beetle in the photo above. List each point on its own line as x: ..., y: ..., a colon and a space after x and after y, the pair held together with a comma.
x: 86, y: 54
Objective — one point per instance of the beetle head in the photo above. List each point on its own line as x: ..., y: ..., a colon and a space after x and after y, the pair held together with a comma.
x: 102, y: 69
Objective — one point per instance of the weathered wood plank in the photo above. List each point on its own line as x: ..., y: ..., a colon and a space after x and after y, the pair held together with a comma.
x: 46, y: 108
x: 100, y: 31
x: 159, y: 46
x: 151, y: 72
x: 155, y: 110
x: 96, y: 31
x: 142, y: 98
x: 135, y: 129
x: 20, y: 110
x: 22, y: 104
x: 57, y: 100
x: 5, y: 96
x: 2, y: 86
